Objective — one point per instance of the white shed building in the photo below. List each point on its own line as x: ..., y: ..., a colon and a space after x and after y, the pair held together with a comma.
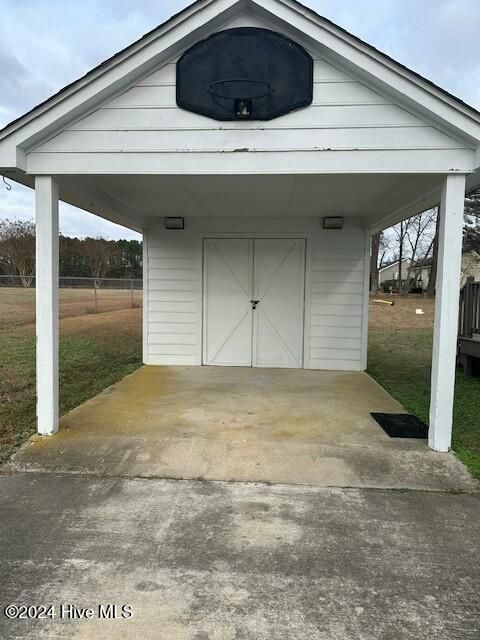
x: 254, y: 278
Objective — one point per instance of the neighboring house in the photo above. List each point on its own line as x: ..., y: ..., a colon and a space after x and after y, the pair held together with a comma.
x: 470, y: 267
x: 392, y: 271
x: 419, y: 273
x: 234, y: 137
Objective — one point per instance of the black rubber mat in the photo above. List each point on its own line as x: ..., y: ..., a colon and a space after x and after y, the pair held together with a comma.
x: 401, y: 425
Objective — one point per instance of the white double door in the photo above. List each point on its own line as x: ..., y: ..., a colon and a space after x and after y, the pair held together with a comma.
x: 253, y: 302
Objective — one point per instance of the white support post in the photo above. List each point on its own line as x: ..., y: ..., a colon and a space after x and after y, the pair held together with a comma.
x: 46, y: 208
x: 366, y: 298
x: 145, y: 295
x: 446, y: 312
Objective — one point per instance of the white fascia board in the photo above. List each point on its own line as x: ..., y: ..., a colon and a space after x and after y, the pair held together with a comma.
x: 11, y: 156
x: 138, y: 60
x: 254, y: 162
x: 402, y: 84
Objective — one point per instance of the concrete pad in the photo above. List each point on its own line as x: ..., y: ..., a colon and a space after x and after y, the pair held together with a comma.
x: 218, y: 561
x: 268, y: 425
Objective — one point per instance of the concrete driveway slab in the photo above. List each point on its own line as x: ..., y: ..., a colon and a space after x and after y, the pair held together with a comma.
x: 268, y: 425
x: 220, y: 561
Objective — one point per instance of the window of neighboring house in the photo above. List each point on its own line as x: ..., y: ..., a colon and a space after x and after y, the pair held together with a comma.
x: 395, y: 275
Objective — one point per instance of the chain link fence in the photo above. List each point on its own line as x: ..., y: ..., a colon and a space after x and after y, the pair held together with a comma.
x: 77, y: 296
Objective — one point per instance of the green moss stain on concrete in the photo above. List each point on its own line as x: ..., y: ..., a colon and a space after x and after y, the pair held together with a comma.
x: 269, y: 425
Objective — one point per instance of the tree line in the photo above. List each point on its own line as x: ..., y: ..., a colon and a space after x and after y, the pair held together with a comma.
x: 416, y: 238
x: 88, y: 257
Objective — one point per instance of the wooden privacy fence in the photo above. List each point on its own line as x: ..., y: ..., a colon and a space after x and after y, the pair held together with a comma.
x: 469, y: 320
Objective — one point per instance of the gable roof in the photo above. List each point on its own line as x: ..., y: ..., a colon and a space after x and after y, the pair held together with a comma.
x: 393, y: 264
x: 269, y: 5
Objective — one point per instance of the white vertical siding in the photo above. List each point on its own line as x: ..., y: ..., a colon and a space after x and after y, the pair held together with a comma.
x: 334, y: 294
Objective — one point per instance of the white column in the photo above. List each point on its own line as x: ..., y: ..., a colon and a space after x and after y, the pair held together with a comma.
x: 46, y: 212
x: 366, y: 297
x: 145, y: 296
x: 446, y: 312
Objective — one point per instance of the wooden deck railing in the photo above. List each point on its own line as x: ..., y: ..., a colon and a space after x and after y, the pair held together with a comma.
x: 469, y: 319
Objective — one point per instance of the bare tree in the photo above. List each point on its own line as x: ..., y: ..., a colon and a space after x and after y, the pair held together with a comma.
x: 379, y: 248
x: 420, y: 237
x: 99, y: 255
x: 17, y: 247
x: 471, y: 231
x: 413, y: 238
x: 374, y: 253
x: 400, y: 232
x: 384, y: 249
x: 432, y: 280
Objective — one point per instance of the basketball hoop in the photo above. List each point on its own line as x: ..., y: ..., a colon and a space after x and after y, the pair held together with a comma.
x: 239, y: 96
x: 244, y: 73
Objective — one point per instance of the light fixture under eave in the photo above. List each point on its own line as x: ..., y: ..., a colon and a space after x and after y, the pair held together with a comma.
x: 333, y: 223
x: 174, y: 223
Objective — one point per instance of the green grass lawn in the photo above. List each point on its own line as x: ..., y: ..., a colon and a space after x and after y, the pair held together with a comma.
x: 400, y: 361
x: 91, y: 358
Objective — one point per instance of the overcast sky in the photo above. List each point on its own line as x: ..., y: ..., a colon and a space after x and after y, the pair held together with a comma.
x: 46, y: 44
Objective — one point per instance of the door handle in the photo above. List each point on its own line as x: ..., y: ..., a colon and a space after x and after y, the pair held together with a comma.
x: 254, y: 304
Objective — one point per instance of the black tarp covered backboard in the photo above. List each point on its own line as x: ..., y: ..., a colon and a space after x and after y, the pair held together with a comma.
x: 245, y: 74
